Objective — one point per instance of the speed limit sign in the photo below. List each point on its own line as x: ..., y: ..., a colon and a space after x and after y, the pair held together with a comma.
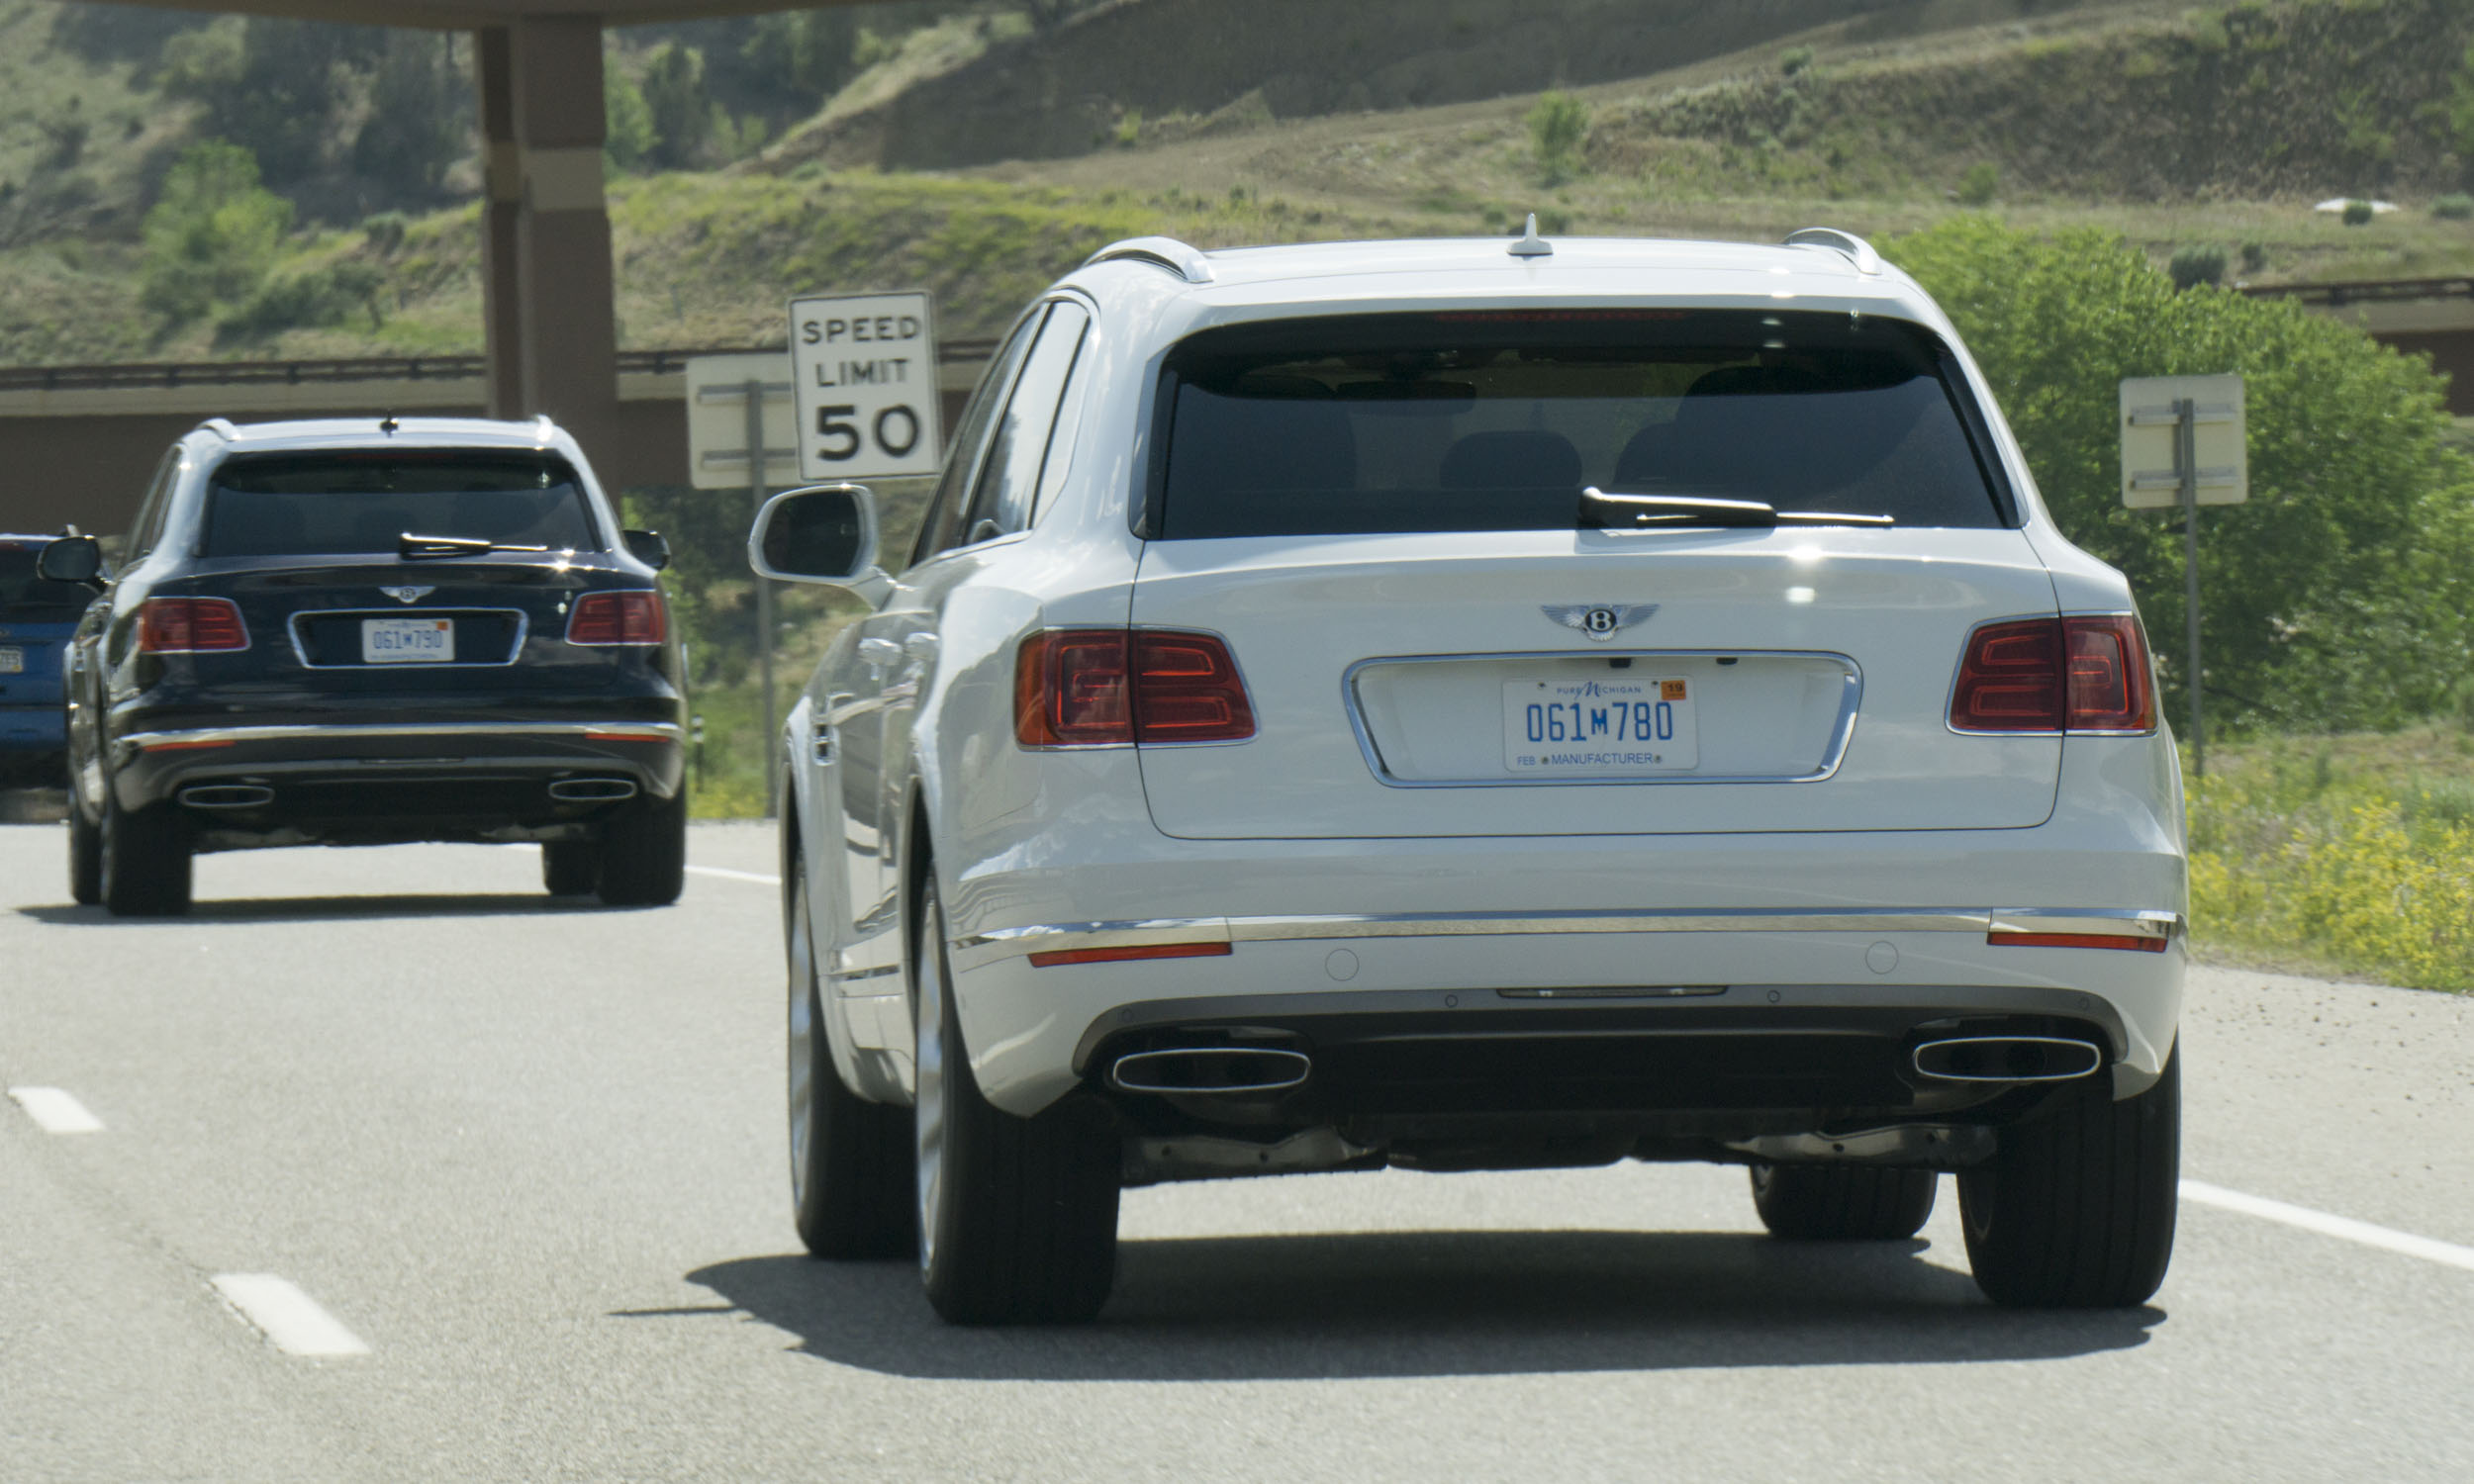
x: 863, y: 371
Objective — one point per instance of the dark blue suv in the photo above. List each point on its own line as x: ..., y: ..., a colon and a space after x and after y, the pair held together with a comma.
x: 359, y: 632
x: 36, y: 616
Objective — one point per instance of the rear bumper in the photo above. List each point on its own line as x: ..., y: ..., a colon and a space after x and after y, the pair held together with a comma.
x: 299, y: 784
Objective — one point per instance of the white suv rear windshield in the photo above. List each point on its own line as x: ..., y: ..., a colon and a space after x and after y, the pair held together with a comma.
x: 353, y: 504
x: 1498, y: 420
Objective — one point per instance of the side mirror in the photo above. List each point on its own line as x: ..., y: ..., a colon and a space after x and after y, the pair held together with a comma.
x: 648, y: 547
x: 824, y: 534
x: 71, y: 559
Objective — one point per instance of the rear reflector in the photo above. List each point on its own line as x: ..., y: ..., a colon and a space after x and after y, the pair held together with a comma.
x: 190, y: 626
x: 632, y: 617
x: 2087, y: 673
x: 1119, y: 954
x: 1107, y: 687
x: 2075, y: 940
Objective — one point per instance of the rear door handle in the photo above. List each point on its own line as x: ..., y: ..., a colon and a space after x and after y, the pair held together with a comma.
x: 823, y: 742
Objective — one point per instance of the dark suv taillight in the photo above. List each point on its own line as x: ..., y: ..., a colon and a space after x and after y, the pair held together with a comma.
x: 630, y: 616
x: 2084, y: 674
x: 190, y: 626
x: 1108, y: 687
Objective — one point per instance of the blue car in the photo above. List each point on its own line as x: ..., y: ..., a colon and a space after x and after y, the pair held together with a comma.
x: 37, y: 618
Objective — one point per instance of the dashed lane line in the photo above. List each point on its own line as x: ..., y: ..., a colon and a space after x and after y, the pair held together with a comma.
x: 728, y: 875
x: 290, y: 1319
x: 54, y: 1111
x: 2343, y: 1228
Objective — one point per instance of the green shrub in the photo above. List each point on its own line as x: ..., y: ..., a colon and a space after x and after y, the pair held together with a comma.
x: 211, y: 234
x: 2342, y: 595
x: 2453, y: 207
x: 1795, y: 59
x: 1981, y: 183
x: 627, y: 123
x: 2197, y: 263
x: 384, y: 230
x: 329, y: 296
x: 1559, y: 127
x: 2357, y: 213
x: 2254, y: 256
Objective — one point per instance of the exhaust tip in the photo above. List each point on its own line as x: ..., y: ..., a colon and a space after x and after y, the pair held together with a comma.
x: 2008, y: 1059
x: 1210, y: 1070
x: 592, y: 790
x: 226, y: 796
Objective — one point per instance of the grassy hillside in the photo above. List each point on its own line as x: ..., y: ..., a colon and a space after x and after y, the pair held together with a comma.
x: 2169, y: 127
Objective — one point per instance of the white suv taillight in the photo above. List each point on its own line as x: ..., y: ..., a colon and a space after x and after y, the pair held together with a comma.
x: 1109, y: 687
x: 2089, y: 672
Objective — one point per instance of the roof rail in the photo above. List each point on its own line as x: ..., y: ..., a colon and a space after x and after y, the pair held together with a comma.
x: 1857, y: 250
x: 222, y: 428
x: 1187, y: 262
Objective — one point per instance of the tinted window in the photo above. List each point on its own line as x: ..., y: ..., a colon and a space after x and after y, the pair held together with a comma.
x: 148, y: 525
x: 304, y: 505
x: 1497, y: 421
x: 1010, y: 477
x: 35, y: 600
x: 942, y: 526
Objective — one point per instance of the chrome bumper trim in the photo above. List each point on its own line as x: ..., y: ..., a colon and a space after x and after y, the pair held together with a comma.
x: 209, y: 736
x: 999, y: 943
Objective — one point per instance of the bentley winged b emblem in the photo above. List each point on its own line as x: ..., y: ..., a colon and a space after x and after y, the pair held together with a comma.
x: 1601, y: 622
x: 407, y: 594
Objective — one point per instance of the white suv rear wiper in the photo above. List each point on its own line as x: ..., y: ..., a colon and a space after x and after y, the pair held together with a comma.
x: 1608, y: 509
x: 412, y: 548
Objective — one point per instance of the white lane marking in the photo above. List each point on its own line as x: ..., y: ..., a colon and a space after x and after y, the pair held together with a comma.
x: 286, y: 1316
x: 2345, y: 1228
x: 54, y: 1111
x: 728, y: 875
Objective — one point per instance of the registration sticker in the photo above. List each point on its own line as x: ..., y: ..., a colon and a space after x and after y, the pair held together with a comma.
x: 408, y: 641
x: 1599, y: 728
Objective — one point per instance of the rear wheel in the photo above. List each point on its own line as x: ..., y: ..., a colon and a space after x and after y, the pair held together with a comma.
x: 850, y: 1159
x: 2075, y: 1210
x: 644, y: 853
x: 145, y: 868
x: 1017, y: 1216
x: 569, y: 868
x: 85, y: 855
x: 1843, y: 1202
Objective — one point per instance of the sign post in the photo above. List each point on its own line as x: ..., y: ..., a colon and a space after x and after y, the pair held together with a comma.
x: 738, y: 431
x: 864, y: 370
x: 2183, y: 446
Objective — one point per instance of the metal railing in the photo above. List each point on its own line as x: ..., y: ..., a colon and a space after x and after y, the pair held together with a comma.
x: 165, y: 375
x: 2364, y: 291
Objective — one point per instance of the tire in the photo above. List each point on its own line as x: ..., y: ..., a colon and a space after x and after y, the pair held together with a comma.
x: 850, y: 1159
x: 570, y: 868
x: 85, y: 855
x: 644, y: 853
x: 2075, y: 1209
x: 1843, y: 1202
x: 1017, y: 1216
x: 145, y: 866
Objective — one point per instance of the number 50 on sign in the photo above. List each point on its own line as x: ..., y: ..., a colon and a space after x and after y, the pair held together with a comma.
x: 863, y: 371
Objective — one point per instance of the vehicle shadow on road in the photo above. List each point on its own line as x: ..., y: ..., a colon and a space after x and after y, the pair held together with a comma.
x: 259, y: 910
x: 1437, y: 1303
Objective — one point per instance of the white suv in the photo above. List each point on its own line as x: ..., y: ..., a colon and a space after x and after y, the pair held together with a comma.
x: 1447, y: 707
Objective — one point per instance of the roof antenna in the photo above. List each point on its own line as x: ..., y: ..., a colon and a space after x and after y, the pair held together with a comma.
x: 387, y: 425
x: 1531, y: 245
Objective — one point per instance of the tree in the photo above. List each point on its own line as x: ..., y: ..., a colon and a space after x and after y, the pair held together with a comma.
x: 2342, y: 594
x: 211, y: 234
x: 627, y: 125
x: 1559, y: 126
x: 682, y: 111
x: 417, y: 117
x: 272, y: 86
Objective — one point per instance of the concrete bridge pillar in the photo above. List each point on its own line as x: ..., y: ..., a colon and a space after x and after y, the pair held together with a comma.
x: 546, y: 276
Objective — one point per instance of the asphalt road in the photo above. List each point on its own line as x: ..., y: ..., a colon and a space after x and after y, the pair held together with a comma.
x: 530, y: 1157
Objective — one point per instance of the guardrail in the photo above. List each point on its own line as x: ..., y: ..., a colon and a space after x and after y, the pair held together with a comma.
x: 2363, y: 291
x: 160, y: 376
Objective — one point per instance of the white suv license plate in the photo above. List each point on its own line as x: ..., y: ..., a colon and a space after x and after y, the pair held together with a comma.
x: 1612, y: 727
x: 408, y: 641
x: 12, y: 661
